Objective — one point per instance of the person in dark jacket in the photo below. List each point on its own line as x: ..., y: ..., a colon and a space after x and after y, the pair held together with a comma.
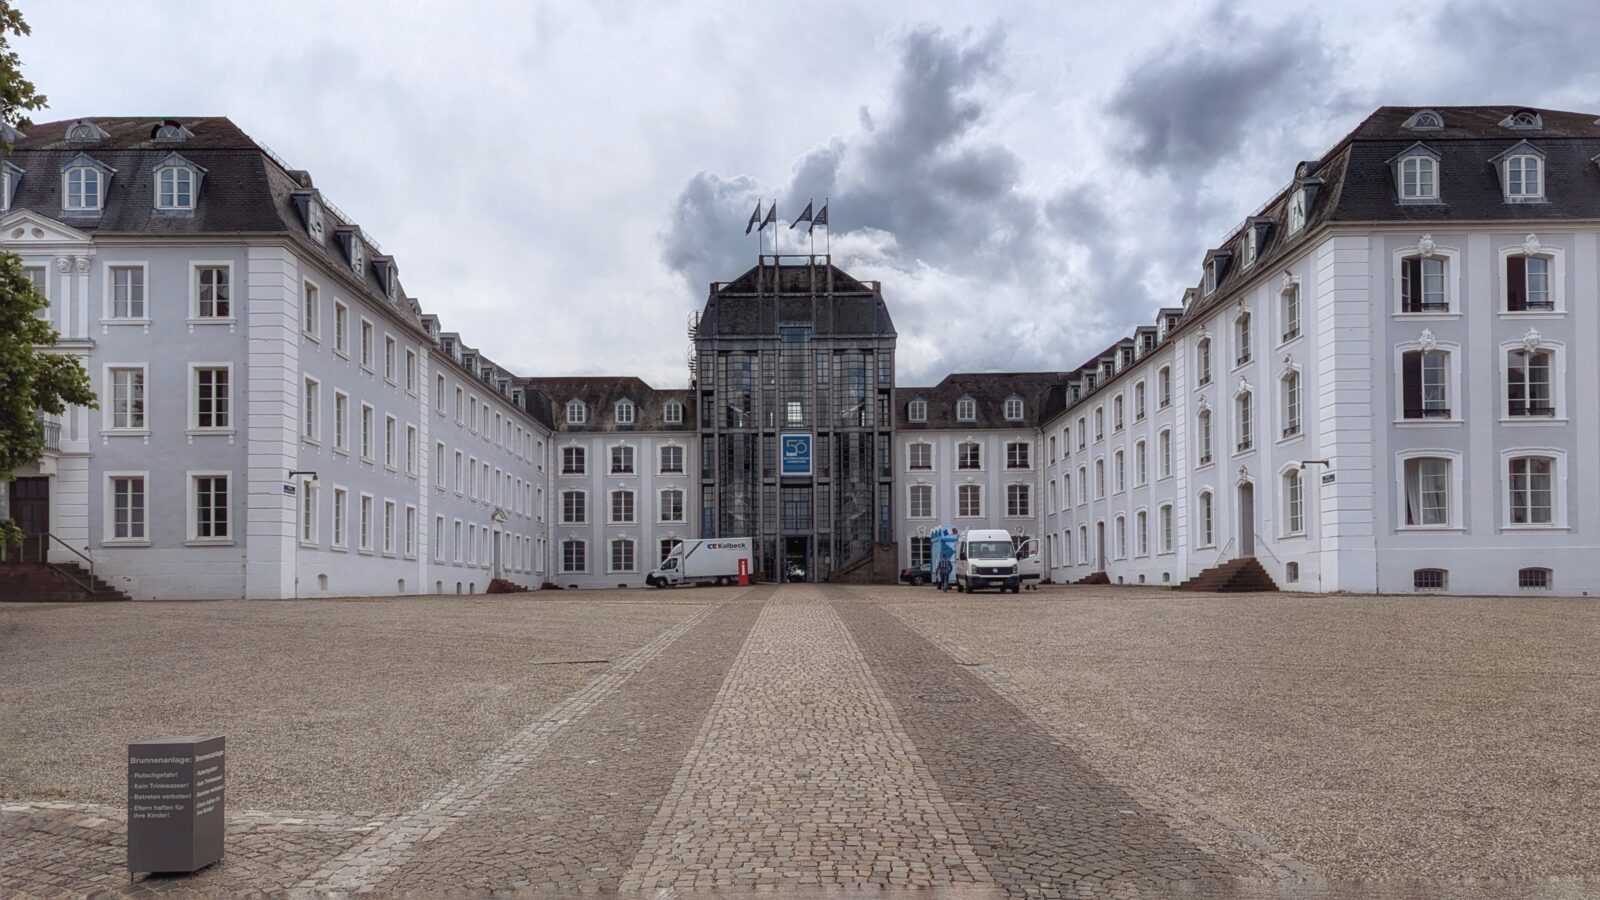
x: 944, y: 573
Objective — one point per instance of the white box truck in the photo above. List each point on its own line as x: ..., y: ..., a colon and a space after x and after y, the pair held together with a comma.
x: 986, y: 558
x: 702, y: 561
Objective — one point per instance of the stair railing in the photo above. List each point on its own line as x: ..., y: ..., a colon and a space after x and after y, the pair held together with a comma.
x: 1226, y: 549
x: 42, y: 542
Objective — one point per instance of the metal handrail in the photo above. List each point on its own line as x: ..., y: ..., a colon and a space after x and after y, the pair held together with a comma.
x: 44, y: 558
x: 1224, y: 554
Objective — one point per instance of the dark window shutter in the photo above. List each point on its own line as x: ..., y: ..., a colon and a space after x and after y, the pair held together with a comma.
x: 1411, y: 376
x: 1411, y: 284
x: 1516, y: 282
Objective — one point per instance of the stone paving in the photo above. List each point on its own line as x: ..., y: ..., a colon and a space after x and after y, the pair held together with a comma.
x: 822, y: 741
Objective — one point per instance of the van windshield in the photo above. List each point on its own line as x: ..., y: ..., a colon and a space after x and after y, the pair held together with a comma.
x: 989, y: 549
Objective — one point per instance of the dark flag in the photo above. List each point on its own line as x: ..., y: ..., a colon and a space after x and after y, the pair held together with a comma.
x: 754, y: 218
x: 822, y: 217
x: 772, y: 215
x: 804, y: 217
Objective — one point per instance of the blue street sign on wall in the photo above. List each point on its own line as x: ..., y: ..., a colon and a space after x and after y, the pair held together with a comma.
x: 796, y: 454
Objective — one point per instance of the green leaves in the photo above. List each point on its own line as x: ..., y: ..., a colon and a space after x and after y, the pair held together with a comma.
x: 33, y: 379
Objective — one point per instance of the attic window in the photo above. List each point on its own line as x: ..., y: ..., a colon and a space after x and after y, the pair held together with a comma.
x: 625, y: 412
x: 577, y: 413
x: 314, y: 220
x: 391, y: 281
x: 170, y: 131
x: 1013, y: 409
x: 1419, y: 177
x: 672, y: 413
x: 84, y: 132
x: 1523, y: 120
x: 175, y: 187
x: 357, y: 254
x: 966, y: 410
x: 1297, y: 211
x: 1211, y: 276
x: 1426, y: 120
x: 917, y: 411
x: 82, y: 189
x: 9, y: 176
x: 1524, y: 178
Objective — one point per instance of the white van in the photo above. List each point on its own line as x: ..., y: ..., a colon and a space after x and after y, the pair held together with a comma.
x: 702, y: 561
x: 986, y: 558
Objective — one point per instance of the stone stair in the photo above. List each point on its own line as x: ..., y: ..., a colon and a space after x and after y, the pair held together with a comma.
x: 1235, y: 576
x: 27, y: 582
x: 1094, y: 578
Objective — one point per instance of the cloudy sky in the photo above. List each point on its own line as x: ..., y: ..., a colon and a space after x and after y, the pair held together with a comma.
x: 560, y: 181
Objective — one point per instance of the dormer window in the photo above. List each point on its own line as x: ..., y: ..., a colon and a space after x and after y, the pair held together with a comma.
x: 357, y: 254
x: 84, y: 132
x: 391, y: 282
x: 315, y: 223
x: 1211, y: 277
x: 1416, y: 172
x: 84, y: 189
x: 672, y: 413
x: 1523, y: 120
x: 966, y: 410
x: 1426, y: 120
x: 170, y: 131
x: 917, y: 411
x: 1013, y: 409
x: 624, y: 412
x: 1297, y: 211
x: 1524, y: 178
x: 577, y: 412
x: 9, y: 176
x: 175, y: 188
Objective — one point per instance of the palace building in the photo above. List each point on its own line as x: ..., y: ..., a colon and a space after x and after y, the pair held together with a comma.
x: 1377, y: 384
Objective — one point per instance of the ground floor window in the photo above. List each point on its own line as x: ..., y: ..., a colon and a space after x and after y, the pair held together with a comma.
x: 1429, y: 579
x: 574, y: 556
x: 211, y: 507
x: 667, y: 545
x: 1534, y: 577
x: 622, y: 555
x: 921, y: 551
x: 128, y: 508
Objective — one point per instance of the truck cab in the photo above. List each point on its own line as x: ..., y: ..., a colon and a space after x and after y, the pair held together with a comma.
x: 987, y: 558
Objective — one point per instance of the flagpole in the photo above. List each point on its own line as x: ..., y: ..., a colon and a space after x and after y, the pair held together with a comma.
x: 827, y: 236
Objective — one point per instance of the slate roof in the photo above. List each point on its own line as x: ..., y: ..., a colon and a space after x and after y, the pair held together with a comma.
x: 602, y: 393
x: 750, y: 306
x: 1355, y: 183
x: 990, y: 391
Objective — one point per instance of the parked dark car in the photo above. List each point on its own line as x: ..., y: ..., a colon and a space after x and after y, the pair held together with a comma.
x: 918, y: 575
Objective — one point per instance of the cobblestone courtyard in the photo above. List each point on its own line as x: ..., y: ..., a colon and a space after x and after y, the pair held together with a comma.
x: 824, y: 741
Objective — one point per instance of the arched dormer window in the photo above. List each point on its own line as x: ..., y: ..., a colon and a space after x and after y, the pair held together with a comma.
x: 84, y: 131
x: 917, y: 411
x: 170, y: 131
x: 672, y: 413
x: 1425, y: 120
x: 966, y: 410
x: 624, y: 412
x: 1416, y: 174
x: 177, y: 183
x: 1521, y: 171
x: 1523, y: 120
x: 83, y: 185
x: 1013, y: 409
x: 577, y: 412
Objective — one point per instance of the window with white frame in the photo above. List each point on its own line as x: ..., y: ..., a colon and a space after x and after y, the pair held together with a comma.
x: 1141, y: 463
x: 1203, y: 361
x: 367, y: 334
x: 969, y: 456
x: 1019, y: 500
x: 409, y: 524
x: 341, y: 328
x: 128, y: 518
x: 624, y: 412
x: 1165, y: 448
x: 1166, y: 529
x: 1116, y: 413
x: 437, y: 537
x: 84, y: 191
x: 671, y: 456
x: 175, y: 187
x: 213, y: 398
x: 1528, y: 383
x: 1531, y: 485
x: 574, y: 508
x: 1297, y: 211
x: 439, y: 393
x: 1205, y: 525
x: 368, y: 436
x: 1419, y: 177
x: 411, y: 371
x: 622, y: 460
x: 1524, y: 178
x: 574, y: 460
x: 390, y: 441
x: 311, y: 310
x: 966, y: 410
x: 622, y: 556
x: 1427, y: 492
x: 413, y: 462
x: 920, y: 501
x: 1083, y: 485
x: 1099, y: 478
x: 341, y: 513
x: 917, y: 411
x: 622, y: 507
x: 1138, y: 402
x: 1294, y: 502
x: 310, y: 411
x: 1291, y: 312
x: 672, y: 413
x: 1013, y: 409
x: 577, y: 412
x: 919, y: 456
x: 1422, y: 284
x: 1066, y: 490
x: 1083, y: 433
x: 1425, y: 384
x: 389, y: 525
x: 1241, y: 338
x: 969, y: 501
x: 341, y: 421
x: 1120, y: 530
x: 364, y: 524
x: 672, y: 505
x: 211, y: 521
x: 436, y: 463
x: 1083, y: 543
x: 389, y: 360
x: 1164, y: 387
x: 1242, y: 409
x: 1099, y: 423
x: 308, y: 511
x: 1119, y: 472
x: 127, y: 292
x: 1528, y: 284
x: 1051, y: 499
x: 1019, y: 455
x: 1203, y: 442
x: 213, y: 293
x: 1291, y: 403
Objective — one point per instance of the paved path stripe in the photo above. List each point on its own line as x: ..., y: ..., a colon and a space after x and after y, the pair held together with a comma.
x: 802, y: 776
x: 365, y: 864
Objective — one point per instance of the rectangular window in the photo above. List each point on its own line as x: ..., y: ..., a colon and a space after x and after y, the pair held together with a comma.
x: 1291, y: 404
x: 366, y: 345
x: 364, y: 525
x: 341, y: 501
x: 1291, y: 313
x: 460, y: 472
x: 1163, y: 389
x: 211, y: 507
x: 341, y: 421
x: 411, y: 531
x: 411, y: 371
x: 438, y: 394
x: 1532, y: 497
x: 456, y: 555
x: 389, y: 437
x: 213, y: 399
x: 388, y: 358
x: 671, y: 460
x: 1528, y: 383
x: 622, y: 507
x: 1019, y: 500
x: 572, y: 460
x: 308, y: 511
x: 127, y: 399
x: 574, y: 556
x: 310, y: 426
x: 437, y: 464
x: 1422, y: 285
x: 969, y: 501
x: 388, y: 526
x: 622, y: 460
x: 311, y: 319
x: 574, y: 508
x: 1166, y: 529
x: 921, y: 501
x: 920, y: 457
x: 127, y: 292
x: 213, y: 293
x: 438, y: 538
x: 1017, y: 454
x: 1427, y: 492
x: 672, y: 506
x: 341, y: 328
x: 412, y: 463
x: 1425, y: 390
x: 366, y: 432
x: 969, y: 455
x: 622, y: 556
x: 1528, y: 284
x: 128, y: 508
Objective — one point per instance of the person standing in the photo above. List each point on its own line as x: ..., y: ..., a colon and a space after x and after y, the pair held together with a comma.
x: 944, y: 573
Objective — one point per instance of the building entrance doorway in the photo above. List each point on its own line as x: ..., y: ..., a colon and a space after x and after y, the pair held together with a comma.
x: 30, y: 507
x: 1247, y: 521
x: 797, y: 559
x: 1099, y: 546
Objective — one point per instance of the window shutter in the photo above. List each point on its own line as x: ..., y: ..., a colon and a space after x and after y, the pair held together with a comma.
x: 1411, y: 284
x: 1411, y: 376
x: 1516, y: 282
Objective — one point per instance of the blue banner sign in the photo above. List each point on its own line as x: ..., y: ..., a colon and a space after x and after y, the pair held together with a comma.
x: 796, y: 455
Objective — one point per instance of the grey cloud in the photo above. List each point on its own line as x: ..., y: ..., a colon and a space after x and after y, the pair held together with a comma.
x: 1192, y: 101
x: 1495, y: 52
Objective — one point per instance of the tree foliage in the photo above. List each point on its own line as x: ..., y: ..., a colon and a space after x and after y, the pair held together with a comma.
x: 33, y: 380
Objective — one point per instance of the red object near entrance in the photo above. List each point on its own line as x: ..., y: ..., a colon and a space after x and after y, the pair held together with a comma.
x: 744, y: 572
